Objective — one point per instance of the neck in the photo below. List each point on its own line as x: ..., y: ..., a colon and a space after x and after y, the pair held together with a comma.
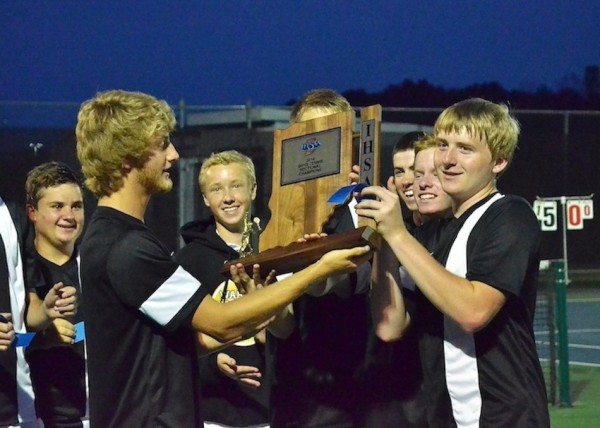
x: 131, y: 199
x: 417, y: 218
x: 229, y: 236
x: 442, y: 214
x: 461, y: 207
x: 57, y: 255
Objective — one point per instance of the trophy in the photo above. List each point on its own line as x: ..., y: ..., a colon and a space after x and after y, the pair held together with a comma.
x: 249, y: 236
x: 311, y: 161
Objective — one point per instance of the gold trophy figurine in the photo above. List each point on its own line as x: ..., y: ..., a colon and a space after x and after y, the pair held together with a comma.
x: 251, y: 229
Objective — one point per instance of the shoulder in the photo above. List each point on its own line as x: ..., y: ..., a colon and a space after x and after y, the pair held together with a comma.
x: 207, y: 245
x: 191, y: 253
x: 17, y: 215
x: 509, y: 220
x: 514, y: 210
x: 118, y: 232
x: 15, y: 210
x: 137, y: 244
x: 513, y: 202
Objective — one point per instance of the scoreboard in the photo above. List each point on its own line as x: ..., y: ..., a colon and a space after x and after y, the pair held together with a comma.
x: 576, y: 211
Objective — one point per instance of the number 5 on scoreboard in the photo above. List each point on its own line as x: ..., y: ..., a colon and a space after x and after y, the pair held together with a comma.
x: 547, y: 214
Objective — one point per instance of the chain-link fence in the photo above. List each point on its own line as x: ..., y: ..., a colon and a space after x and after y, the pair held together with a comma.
x: 557, y: 155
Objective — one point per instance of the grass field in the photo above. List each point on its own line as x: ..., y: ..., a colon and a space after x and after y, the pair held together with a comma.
x: 585, y: 400
x: 585, y: 381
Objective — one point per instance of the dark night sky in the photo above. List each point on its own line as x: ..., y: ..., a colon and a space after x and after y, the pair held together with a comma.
x: 226, y: 52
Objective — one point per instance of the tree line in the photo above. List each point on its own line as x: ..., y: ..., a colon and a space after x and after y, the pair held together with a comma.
x: 574, y: 93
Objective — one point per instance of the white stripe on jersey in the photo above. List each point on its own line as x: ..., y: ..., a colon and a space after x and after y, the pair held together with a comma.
x: 14, y: 264
x: 170, y: 297
x: 462, y: 374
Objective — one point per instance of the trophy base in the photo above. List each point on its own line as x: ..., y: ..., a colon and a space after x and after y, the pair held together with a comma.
x: 299, y: 255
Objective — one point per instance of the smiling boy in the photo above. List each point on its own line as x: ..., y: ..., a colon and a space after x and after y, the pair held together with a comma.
x: 228, y: 184
x: 403, y: 160
x: 55, y: 207
x: 478, y: 288
x: 432, y: 202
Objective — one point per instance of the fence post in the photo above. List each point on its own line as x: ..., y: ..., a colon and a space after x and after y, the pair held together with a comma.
x: 560, y: 285
x: 182, y: 114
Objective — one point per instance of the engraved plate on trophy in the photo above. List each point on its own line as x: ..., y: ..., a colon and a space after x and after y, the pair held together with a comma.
x: 311, y: 156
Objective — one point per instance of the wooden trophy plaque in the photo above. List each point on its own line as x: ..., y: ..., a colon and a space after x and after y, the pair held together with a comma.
x: 312, y: 160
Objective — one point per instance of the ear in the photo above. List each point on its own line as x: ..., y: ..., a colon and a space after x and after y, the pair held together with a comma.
x: 205, y: 201
x: 126, y: 167
x: 254, y: 191
x: 499, y: 166
x: 31, y: 214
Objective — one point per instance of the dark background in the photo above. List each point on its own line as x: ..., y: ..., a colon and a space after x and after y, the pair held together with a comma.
x: 548, y: 163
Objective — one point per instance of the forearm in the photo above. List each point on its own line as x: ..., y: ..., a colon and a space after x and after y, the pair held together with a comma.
x: 239, y: 318
x: 284, y: 323
x: 388, y: 311
x: 208, y: 345
x: 36, y: 317
x: 338, y: 284
x: 472, y: 305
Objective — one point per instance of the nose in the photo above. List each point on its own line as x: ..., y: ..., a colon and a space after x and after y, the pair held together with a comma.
x: 447, y: 157
x: 424, y: 182
x: 67, y: 212
x: 172, y: 154
x: 228, y: 195
x: 407, y: 179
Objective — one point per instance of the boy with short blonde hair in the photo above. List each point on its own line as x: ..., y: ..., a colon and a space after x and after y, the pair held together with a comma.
x: 477, y: 288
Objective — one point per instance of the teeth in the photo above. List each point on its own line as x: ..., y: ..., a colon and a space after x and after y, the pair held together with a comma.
x: 426, y: 196
x: 409, y: 193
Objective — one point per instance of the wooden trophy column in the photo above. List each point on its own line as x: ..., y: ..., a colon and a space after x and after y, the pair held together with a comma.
x: 312, y: 160
x: 320, y: 148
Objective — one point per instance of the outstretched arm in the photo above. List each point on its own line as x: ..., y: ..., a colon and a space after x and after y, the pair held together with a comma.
x: 281, y: 325
x: 244, y: 317
x: 208, y: 344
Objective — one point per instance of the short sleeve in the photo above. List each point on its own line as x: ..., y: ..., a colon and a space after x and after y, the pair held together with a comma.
x: 145, y: 277
x: 504, y: 245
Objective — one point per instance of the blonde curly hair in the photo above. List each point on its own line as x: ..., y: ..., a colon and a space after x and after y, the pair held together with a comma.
x: 115, y: 128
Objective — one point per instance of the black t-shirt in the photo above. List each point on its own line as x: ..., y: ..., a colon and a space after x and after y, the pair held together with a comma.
x: 138, y: 304
x: 58, y: 373
x: 502, y: 252
x: 317, y: 370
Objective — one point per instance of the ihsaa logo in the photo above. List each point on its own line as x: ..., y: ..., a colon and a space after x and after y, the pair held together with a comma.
x: 310, y: 145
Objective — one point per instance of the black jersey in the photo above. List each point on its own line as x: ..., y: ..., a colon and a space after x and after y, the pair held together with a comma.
x: 317, y: 370
x: 58, y: 373
x: 138, y: 304
x: 224, y: 400
x: 502, y: 250
x: 393, y: 380
x: 16, y: 241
